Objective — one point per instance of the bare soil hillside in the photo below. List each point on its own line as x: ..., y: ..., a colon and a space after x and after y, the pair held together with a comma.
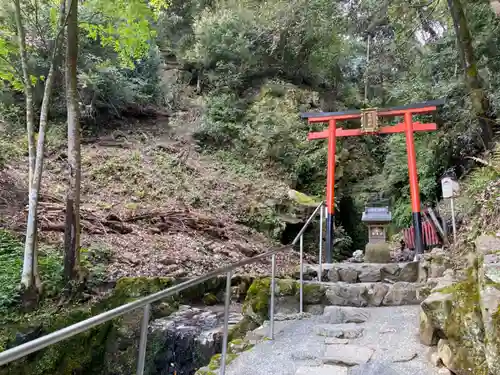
x: 157, y: 205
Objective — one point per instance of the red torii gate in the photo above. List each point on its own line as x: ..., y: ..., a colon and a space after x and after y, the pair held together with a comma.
x: 369, y: 126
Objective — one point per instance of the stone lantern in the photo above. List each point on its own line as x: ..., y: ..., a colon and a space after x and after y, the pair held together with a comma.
x: 377, y: 219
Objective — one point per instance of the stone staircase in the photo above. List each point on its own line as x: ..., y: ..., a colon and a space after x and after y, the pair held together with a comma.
x: 361, y: 319
x: 341, y: 341
x: 366, y: 284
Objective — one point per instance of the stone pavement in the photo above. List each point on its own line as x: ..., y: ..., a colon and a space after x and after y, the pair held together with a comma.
x: 342, y: 341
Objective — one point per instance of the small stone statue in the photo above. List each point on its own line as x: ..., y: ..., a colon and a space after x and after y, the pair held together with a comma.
x: 357, y: 256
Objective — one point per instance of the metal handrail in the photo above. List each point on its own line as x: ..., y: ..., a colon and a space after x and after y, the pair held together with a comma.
x: 145, y: 303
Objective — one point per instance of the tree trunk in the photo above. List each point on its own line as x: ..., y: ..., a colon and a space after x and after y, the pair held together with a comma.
x: 72, y: 229
x: 30, y: 279
x: 28, y: 91
x: 27, y: 276
x: 479, y: 99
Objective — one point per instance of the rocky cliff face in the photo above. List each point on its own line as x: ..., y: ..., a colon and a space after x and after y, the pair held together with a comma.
x: 461, y: 314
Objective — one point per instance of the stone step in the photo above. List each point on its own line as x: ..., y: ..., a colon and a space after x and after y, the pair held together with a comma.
x: 347, y: 355
x: 322, y: 370
x: 367, y: 294
x: 343, y: 315
x: 340, y: 331
x: 363, y: 272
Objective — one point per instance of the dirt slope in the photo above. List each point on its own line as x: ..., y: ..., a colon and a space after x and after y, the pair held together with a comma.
x: 153, y: 201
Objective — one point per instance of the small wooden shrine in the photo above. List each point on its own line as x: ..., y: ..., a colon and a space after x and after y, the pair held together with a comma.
x: 377, y: 219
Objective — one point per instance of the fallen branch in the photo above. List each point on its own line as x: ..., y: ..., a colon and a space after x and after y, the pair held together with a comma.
x: 118, y: 227
x: 479, y: 160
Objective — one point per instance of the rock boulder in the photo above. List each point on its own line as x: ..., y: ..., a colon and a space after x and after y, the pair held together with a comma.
x: 187, y: 339
x: 452, y: 313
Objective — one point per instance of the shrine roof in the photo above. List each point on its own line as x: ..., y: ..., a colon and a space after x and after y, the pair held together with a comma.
x: 377, y: 215
x: 432, y: 103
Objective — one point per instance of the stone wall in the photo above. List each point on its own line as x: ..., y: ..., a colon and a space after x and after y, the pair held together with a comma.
x: 460, y: 317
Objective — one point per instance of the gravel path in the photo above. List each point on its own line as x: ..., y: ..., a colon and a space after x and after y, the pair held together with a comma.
x: 390, y: 331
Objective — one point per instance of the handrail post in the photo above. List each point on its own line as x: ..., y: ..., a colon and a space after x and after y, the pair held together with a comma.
x: 226, y: 324
x: 271, y: 311
x: 320, y: 271
x: 301, y: 308
x: 143, y: 340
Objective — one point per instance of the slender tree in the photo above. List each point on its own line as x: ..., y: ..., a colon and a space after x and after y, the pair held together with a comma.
x: 29, y: 278
x: 480, y: 102
x: 28, y: 90
x: 72, y: 229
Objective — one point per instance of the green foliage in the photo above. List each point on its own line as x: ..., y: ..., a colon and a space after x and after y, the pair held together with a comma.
x: 124, y: 26
x: 95, y: 259
x: 11, y: 264
x: 343, y: 243
x: 107, y: 88
x: 239, y: 41
x: 11, y: 252
x: 8, y: 72
x: 222, y: 125
x: 118, y: 59
x: 265, y: 130
x: 10, y: 151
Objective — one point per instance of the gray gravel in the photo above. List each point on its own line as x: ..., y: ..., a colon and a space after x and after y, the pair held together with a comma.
x: 390, y: 331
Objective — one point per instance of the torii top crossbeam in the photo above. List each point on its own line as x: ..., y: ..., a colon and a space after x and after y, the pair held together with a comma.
x: 369, y: 121
x: 413, y: 109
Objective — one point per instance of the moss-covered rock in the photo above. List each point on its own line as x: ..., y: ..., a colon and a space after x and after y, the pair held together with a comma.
x: 205, y: 371
x: 234, y: 348
x: 109, y: 348
x: 273, y: 215
x: 256, y: 306
x: 489, y: 293
x: 238, y: 346
x: 128, y: 289
x: 286, y: 287
x: 302, y: 199
x: 215, y: 362
x: 239, y: 330
x: 453, y: 313
x: 84, y: 352
x: 313, y: 294
x: 209, y: 299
